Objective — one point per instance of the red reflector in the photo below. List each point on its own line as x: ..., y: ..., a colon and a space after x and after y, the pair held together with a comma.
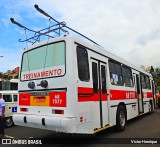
x: 81, y: 118
x: 24, y: 109
x: 59, y: 111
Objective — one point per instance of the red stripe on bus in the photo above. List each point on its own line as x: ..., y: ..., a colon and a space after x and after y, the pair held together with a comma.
x: 122, y: 95
x: 104, y: 97
x: 149, y: 95
x: 82, y: 90
x: 94, y: 98
x: 86, y: 95
x: 114, y: 95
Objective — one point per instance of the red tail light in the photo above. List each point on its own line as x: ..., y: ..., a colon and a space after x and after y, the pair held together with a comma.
x: 81, y: 118
x: 24, y: 109
x: 59, y: 111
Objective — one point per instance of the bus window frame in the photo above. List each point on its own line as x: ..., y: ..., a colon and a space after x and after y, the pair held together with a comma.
x: 114, y: 72
x: 39, y: 47
x: 128, y: 76
x: 88, y: 80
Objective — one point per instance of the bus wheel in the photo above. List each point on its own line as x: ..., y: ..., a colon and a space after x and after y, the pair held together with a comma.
x: 121, y: 119
x: 9, y: 122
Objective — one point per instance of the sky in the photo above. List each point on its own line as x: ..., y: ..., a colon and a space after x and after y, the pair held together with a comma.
x: 127, y: 28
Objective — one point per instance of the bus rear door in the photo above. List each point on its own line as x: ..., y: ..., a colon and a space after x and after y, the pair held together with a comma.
x: 139, y: 95
x: 100, y: 109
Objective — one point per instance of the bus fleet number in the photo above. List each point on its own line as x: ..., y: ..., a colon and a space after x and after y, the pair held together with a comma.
x: 57, y: 99
x: 130, y: 95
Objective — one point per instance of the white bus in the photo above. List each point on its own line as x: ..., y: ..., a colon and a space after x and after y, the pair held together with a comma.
x: 10, y: 97
x: 68, y: 85
x: 9, y: 91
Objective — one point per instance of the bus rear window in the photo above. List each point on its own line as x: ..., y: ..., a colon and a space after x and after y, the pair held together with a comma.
x: 7, y: 98
x: 45, y: 61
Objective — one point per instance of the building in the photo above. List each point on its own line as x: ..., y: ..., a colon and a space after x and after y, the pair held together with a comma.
x: 11, y: 74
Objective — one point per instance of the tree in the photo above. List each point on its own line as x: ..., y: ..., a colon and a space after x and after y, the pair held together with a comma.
x: 5, y: 77
x: 17, y: 76
x: 152, y: 70
x: 1, y: 74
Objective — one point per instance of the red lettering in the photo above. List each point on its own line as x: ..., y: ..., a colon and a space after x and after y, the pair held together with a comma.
x: 42, y: 74
x: 55, y: 70
x: 35, y: 75
x: 59, y: 72
x: 39, y: 75
x: 31, y: 76
x: 47, y: 73
x: 27, y: 76
x: 51, y: 73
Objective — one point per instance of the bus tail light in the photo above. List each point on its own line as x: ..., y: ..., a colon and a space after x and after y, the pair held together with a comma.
x: 24, y: 109
x: 81, y: 118
x: 59, y: 111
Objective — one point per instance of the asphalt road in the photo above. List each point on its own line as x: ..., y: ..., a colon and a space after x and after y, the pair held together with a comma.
x: 146, y: 126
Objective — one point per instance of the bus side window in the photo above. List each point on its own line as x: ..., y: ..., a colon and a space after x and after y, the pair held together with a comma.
x: 148, y: 82
x: 7, y: 98
x: 95, y: 77
x: 127, y: 76
x: 103, y: 74
x: 115, y: 73
x: 143, y: 81
x: 138, y: 86
x: 15, y: 98
x: 83, y: 65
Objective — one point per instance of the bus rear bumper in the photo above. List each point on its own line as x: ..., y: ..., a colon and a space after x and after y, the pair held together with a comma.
x: 58, y: 124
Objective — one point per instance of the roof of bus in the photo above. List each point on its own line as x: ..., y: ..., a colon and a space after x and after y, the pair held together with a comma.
x: 94, y: 47
x: 110, y: 55
x: 11, y: 80
x: 14, y: 80
x: 9, y: 92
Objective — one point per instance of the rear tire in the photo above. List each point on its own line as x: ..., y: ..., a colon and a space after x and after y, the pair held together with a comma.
x: 121, y: 119
x: 9, y: 122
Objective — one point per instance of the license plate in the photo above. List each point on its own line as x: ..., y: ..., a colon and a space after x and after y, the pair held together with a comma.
x: 39, y: 99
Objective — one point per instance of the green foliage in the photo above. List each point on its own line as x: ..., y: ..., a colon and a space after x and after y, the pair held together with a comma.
x: 152, y: 70
x: 155, y: 72
x: 5, y: 77
x: 156, y: 76
x: 158, y: 88
x: 16, y: 77
x: 1, y: 74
